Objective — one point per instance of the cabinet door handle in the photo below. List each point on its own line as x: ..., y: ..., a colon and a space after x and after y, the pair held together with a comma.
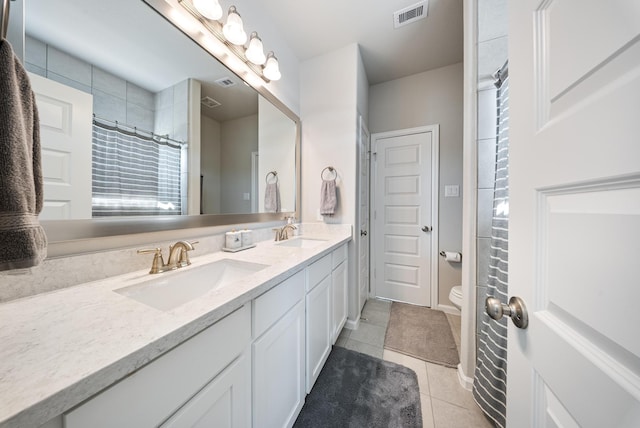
x: 427, y: 229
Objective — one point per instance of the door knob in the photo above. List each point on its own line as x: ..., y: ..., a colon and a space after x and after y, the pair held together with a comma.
x: 363, y: 233
x: 516, y: 310
x: 427, y: 229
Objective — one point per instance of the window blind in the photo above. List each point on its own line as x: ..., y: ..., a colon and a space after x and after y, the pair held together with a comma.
x: 134, y: 174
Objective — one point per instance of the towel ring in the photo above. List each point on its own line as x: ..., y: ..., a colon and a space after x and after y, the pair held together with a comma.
x: 275, y: 175
x: 331, y: 170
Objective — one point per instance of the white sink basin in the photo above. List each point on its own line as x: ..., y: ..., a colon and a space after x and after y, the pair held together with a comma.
x: 172, y: 289
x: 301, y: 242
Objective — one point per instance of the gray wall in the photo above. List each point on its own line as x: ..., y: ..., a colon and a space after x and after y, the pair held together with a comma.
x: 239, y: 137
x: 432, y: 97
x: 210, y: 162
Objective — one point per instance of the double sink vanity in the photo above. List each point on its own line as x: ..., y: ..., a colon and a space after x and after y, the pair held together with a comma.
x: 235, y: 338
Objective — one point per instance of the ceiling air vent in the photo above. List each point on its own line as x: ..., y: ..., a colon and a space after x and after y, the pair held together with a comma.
x: 225, y: 82
x: 209, y: 102
x: 410, y: 14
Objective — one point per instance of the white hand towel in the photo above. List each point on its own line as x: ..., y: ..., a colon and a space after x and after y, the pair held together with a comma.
x: 272, y: 198
x: 328, y: 197
x: 23, y: 243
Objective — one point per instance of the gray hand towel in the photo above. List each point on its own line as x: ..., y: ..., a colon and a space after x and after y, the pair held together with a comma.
x: 272, y: 198
x: 328, y: 198
x: 23, y: 243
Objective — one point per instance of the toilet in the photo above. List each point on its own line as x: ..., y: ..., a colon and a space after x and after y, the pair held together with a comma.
x: 456, y: 296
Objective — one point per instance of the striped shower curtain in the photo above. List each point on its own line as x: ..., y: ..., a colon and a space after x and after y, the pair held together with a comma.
x: 134, y: 174
x: 490, y: 380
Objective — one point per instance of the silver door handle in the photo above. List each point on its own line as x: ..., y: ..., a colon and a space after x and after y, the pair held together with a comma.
x: 516, y: 310
x: 427, y: 229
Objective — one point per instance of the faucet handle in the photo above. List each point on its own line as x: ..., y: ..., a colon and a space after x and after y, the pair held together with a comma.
x: 157, y: 265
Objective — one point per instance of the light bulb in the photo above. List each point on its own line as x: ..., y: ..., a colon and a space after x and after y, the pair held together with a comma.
x: 210, y: 9
x: 271, y: 68
x: 233, y: 30
x: 255, y: 51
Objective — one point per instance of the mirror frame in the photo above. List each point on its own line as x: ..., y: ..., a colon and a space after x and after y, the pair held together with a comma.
x: 64, y: 231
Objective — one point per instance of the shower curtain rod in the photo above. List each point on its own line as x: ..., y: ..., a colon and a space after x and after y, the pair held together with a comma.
x: 117, y: 125
x: 501, y: 74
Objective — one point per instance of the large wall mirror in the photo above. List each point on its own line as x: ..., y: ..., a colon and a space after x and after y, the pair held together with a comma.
x: 143, y: 130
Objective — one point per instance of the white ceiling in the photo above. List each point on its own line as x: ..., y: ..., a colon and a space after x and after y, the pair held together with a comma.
x: 313, y: 27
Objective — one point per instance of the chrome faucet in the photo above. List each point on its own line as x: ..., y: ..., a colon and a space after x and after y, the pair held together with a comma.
x: 178, y: 256
x: 283, y: 233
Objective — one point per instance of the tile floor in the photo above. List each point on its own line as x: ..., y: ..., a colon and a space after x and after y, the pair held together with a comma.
x: 445, y: 404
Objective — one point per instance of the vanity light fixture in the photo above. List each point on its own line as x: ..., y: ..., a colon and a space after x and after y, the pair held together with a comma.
x: 233, y: 30
x: 210, y: 9
x: 255, y: 50
x: 226, y: 40
x: 271, y: 68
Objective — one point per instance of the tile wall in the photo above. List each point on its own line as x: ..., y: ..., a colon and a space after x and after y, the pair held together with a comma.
x: 114, y: 98
x: 492, y: 54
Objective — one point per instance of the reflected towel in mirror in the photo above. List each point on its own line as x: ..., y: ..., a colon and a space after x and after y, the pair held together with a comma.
x: 272, y: 198
x: 23, y: 243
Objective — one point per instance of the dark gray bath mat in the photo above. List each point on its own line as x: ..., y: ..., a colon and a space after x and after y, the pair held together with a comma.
x: 356, y: 390
x: 421, y: 333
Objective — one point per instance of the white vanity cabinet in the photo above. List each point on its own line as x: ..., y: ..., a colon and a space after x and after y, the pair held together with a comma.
x: 208, y: 376
x: 252, y: 368
x: 318, y: 317
x: 278, y: 354
x: 339, y: 289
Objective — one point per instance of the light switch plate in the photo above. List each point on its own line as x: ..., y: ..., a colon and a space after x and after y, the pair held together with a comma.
x: 451, y: 191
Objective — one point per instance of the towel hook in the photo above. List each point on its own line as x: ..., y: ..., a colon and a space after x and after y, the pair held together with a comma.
x: 275, y: 175
x: 4, y: 19
x: 331, y: 170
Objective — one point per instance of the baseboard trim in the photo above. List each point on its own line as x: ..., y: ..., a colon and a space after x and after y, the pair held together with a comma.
x: 465, y: 381
x: 449, y: 309
x: 352, y: 325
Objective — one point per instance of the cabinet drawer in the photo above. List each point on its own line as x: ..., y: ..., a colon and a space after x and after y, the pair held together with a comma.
x: 338, y: 256
x: 150, y: 395
x: 273, y: 304
x: 317, y: 271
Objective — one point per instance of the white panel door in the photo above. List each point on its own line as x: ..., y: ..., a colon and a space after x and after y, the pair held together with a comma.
x: 65, y: 134
x: 403, y: 218
x: 575, y: 213
x: 363, y: 196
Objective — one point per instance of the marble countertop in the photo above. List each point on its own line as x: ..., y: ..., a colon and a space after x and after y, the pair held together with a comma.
x: 60, y: 348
